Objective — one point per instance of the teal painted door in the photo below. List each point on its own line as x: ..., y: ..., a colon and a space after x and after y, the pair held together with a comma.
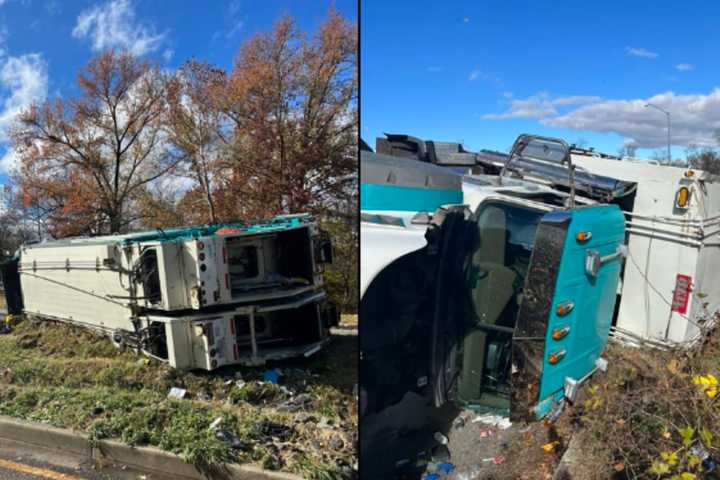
x: 583, y: 303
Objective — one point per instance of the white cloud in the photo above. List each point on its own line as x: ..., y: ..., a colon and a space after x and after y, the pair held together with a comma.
x: 539, y: 106
x: 9, y: 161
x: 695, y: 118
x: 168, y: 54
x: 236, y: 23
x: 113, y: 25
x: 23, y: 81
x: 684, y: 67
x: 478, y: 74
x: 640, y: 52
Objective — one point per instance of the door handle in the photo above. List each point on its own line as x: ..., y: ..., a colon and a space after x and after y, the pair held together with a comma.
x: 593, y: 259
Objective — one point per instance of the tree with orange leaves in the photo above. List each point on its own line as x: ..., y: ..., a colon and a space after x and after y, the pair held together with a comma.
x: 87, y: 158
x: 293, y: 103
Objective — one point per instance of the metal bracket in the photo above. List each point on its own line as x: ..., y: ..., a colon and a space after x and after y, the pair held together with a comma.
x: 593, y: 259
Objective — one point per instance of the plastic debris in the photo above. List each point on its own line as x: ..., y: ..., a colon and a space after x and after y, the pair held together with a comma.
x: 486, y: 433
x: 441, y: 439
x: 708, y: 463
x: 178, y: 393
x: 431, y: 476
x: 445, y: 468
x: 272, y: 376
x: 498, y: 421
x: 216, y: 423
x: 499, y: 460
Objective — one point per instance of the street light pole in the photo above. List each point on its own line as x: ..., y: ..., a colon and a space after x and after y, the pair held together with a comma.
x: 667, y: 114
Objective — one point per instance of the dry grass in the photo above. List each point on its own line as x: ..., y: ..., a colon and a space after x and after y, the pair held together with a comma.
x: 349, y: 320
x: 70, y: 378
x: 647, y: 417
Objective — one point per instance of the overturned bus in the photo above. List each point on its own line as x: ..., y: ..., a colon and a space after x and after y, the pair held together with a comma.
x: 196, y: 297
x: 504, y: 305
x: 667, y: 293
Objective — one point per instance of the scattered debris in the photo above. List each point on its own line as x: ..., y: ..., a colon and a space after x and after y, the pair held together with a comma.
x: 273, y: 429
x: 441, y: 439
x: 440, y: 453
x: 216, y: 423
x: 298, y: 402
x: 445, y: 468
x: 232, y: 440
x: 499, y: 421
x: 177, y: 393
x: 487, y: 432
x: 272, y: 376
x: 203, y: 396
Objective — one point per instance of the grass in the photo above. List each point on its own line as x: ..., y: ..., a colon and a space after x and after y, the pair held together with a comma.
x: 71, y: 378
x: 654, y: 414
x: 349, y: 320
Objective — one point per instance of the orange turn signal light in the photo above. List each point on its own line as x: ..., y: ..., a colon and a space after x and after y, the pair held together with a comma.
x: 556, y: 356
x: 564, y: 308
x: 583, y: 236
x: 683, y: 197
x: 560, y: 332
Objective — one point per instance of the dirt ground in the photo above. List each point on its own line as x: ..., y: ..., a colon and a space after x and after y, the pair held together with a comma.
x: 480, y: 450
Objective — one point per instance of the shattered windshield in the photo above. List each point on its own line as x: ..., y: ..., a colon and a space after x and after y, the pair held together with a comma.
x: 494, y: 274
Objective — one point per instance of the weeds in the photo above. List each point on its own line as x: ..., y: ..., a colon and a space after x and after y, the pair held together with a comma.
x: 70, y: 378
x: 654, y: 414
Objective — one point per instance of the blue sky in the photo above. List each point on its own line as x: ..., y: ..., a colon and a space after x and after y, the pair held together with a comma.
x: 44, y: 43
x: 483, y: 72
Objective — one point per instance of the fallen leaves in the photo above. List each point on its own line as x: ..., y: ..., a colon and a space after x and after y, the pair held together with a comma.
x: 549, y: 447
x: 708, y: 384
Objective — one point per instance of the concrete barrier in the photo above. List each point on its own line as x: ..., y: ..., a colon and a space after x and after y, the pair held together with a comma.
x: 147, y: 459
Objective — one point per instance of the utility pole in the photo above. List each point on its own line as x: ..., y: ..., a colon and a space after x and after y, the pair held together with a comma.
x: 667, y: 114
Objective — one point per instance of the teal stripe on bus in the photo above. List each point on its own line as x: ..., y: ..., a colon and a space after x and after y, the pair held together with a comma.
x: 412, y: 199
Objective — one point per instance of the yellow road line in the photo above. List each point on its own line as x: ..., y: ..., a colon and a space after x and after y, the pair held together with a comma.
x: 39, y: 472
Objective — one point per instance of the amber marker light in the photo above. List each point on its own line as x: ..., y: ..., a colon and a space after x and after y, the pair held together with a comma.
x: 560, y: 332
x: 564, y: 308
x: 583, y: 236
x: 683, y: 196
x: 556, y: 356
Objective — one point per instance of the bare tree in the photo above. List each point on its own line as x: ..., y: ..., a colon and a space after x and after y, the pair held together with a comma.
x: 197, y: 126
x: 96, y: 152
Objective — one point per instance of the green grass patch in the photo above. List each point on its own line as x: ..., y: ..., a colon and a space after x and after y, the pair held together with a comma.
x: 70, y: 378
